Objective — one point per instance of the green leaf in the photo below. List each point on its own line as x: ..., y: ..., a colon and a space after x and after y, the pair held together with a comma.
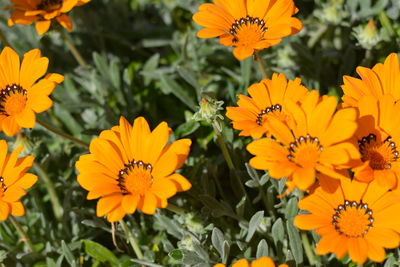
x: 253, y: 224
x: 189, y: 77
x: 169, y: 85
x: 262, y: 249
x: 66, y: 252
x: 217, y: 239
x: 295, y: 242
x: 278, y: 231
x: 187, y: 128
x: 100, y: 252
x: 291, y: 208
x: 145, y: 263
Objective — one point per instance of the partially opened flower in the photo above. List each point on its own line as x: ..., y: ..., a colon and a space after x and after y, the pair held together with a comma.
x: 21, y: 94
x: 130, y: 167
x: 261, y: 262
x: 357, y: 218
x: 13, y: 180
x: 381, y: 79
x: 43, y: 12
x: 248, y: 25
x: 267, y: 99
x: 315, y: 140
x: 377, y: 137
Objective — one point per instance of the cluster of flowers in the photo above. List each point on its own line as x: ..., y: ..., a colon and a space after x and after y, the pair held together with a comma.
x: 129, y: 166
x: 345, y: 156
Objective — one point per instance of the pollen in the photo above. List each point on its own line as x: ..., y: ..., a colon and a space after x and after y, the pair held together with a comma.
x: 353, y: 219
x: 380, y: 154
x: 135, y: 178
x: 247, y: 31
x: 12, y: 100
x: 305, y: 151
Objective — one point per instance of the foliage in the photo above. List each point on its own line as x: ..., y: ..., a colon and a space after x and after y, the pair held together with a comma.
x: 145, y: 60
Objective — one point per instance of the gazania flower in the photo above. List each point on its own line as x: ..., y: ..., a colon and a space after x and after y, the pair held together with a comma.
x: 43, y: 12
x: 381, y: 79
x: 357, y: 218
x: 267, y: 99
x: 261, y: 262
x: 316, y: 139
x: 377, y: 137
x: 21, y: 96
x: 13, y: 180
x: 130, y: 167
x: 248, y: 25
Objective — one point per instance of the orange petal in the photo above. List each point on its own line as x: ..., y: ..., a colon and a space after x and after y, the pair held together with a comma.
x: 42, y: 26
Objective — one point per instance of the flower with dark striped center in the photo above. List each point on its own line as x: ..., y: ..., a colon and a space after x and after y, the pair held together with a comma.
x: 356, y: 218
x: 22, y: 94
x: 267, y: 99
x: 247, y: 25
x: 377, y: 138
x: 130, y: 167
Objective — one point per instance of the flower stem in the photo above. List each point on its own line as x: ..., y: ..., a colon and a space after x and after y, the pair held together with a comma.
x: 61, y: 133
x: 71, y: 46
x: 261, y: 64
x: 307, y: 248
x: 3, y: 39
x: 132, y: 240
x: 55, y: 203
x: 175, y: 209
x: 228, y: 159
x: 22, y: 233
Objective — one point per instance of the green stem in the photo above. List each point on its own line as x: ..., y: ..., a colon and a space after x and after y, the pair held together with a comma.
x: 55, y: 203
x: 61, y: 133
x: 3, y: 39
x: 132, y: 240
x: 71, y: 46
x: 228, y: 159
x: 176, y: 209
x: 261, y: 64
x: 307, y: 248
x: 22, y: 233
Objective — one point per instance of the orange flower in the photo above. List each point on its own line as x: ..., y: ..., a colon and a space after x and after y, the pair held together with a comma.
x: 261, y: 262
x: 13, y: 180
x: 248, y: 25
x: 20, y: 96
x: 316, y: 140
x: 42, y: 12
x: 377, y: 137
x: 357, y: 218
x: 131, y: 168
x: 267, y: 100
x: 381, y: 79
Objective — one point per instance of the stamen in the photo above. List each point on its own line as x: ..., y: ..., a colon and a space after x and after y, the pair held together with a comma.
x: 9, y: 92
x: 3, y: 185
x: 300, y: 142
x: 353, y: 219
x: 380, y: 154
x: 248, y: 21
x: 266, y: 111
x: 129, y: 169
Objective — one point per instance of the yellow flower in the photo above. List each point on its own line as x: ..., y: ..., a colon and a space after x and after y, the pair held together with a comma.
x: 130, y: 167
x: 380, y: 80
x: 356, y: 218
x: 13, y: 180
x: 314, y: 142
x: 248, y: 25
x: 261, y: 262
x: 21, y: 97
x: 43, y: 12
x: 377, y: 137
x: 267, y: 99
